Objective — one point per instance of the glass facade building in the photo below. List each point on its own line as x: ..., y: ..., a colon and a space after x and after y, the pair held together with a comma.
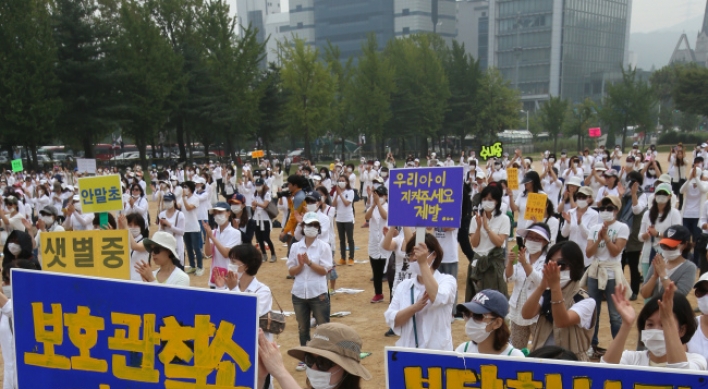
x: 557, y: 47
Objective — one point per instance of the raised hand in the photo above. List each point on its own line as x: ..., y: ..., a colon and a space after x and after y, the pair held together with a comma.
x: 623, y: 306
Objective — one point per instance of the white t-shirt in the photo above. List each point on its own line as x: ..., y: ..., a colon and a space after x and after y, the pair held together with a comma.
x: 641, y: 358
x: 616, y: 230
x: 135, y: 257
x: 345, y: 213
x: 699, y: 342
x: 448, y: 243
x: 520, y: 201
x: 605, y: 191
x: 400, y: 261
x: 586, y: 312
x: 578, y: 232
x: 309, y: 284
x: 191, y: 224
x: 229, y: 237
x: 498, y: 224
x: 553, y: 189
x: 471, y: 348
x: 376, y: 225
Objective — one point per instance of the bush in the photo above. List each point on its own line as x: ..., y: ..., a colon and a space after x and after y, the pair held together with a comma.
x: 570, y: 144
x: 687, y: 138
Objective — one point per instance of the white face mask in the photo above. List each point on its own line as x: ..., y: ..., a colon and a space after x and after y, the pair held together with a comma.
x: 349, y: 170
x: 221, y: 219
x: 235, y: 269
x: 661, y: 199
x: 384, y: 174
x: 703, y: 304
x: 651, y: 171
x: 311, y: 207
x: 582, y: 204
x: 497, y: 167
x: 534, y: 247
x: 342, y: 184
x: 670, y: 255
x: 14, y: 248
x: 168, y: 204
x: 236, y: 208
x: 258, y: 188
x: 48, y: 220
x: 320, y: 379
x: 654, y: 341
x: 77, y: 206
x: 489, y: 205
x: 607, y: 216
x: 311, y: 232
x: 551, y: 160
x: 565, y: 278
x: 7, y: 291
x: 135, y: 231
x: 476, y: 332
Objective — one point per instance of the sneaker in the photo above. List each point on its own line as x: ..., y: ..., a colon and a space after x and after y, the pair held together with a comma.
x: 365, y: 225
x: 191, y: 270
x: 389, y: 333
x: 633, y: 297
x: 273, y: 258
x: 290, y: 277
x: 300, y: 366
x: 199, y: 272
x: 342, y: 262
x: 377, y: 298
x: 331, y: 292
x: 264, y: 257
x: 350, y: 262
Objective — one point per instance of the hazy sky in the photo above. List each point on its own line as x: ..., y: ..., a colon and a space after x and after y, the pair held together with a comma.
x: 647, y: 15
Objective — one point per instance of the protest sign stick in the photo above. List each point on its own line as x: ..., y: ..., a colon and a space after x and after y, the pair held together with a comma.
x: 103, y: 220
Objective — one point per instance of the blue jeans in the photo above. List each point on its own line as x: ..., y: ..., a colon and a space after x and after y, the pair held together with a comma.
x: 596, y: 294
x: 450, y: 269
x: 193, y: 246
x: 305, y: 308
x: 202, y: 232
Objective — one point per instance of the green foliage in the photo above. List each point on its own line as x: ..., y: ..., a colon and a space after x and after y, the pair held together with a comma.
x: 465, y: 77
x: 688, y: 139
x: 552, y: 117
x: 341, y: 116
x: 500, y: 104
x: 581, y: 117
x: 689, y: 94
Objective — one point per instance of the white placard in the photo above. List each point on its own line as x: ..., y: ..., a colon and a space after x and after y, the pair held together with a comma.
x: 86, y: 165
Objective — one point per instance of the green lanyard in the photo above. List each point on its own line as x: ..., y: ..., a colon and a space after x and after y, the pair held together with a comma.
x: 415, y: 328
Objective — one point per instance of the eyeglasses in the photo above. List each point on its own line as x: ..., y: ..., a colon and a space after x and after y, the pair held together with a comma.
x: 323, y: 364
x: 609, y: 208
x: 156, y: 250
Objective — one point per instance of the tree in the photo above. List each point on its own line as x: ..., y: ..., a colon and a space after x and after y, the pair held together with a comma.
x: 464, y: 77
x: 341, y: 114
x: 371, y: 89
x: 580, y: 118
x: 271, y: 106
x: 628, y: 102
x: 29, y: 104
x: 689, y: 93
x: 500, y: 104
x: 552, y: 116
x: 310, y: 91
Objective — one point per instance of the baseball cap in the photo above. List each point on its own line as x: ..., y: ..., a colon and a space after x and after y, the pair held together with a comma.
x: 586, y: 190
x: 487, y: 301
x: 574, y: 181
x: 310, y: 217
x: 530, y: 177
x: 614, y: 200
x: 665, y: 178
x: 630, y: 159
x: 49, y: 210
x: 237, y: 199
x: 169, y: 196
x: 663, y: 187
x: 381, y: 191
x: 220, y: 206
x: 611, y: 173
x: 675, y: 235
x: 314, y: 195
x: 200, y: 180
x: 259, y: 182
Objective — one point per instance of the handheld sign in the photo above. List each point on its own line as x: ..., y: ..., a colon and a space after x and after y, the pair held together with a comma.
x: 101, y: 194
x: 595, y: 132
x: 426, y: 197
x: 512, y: 178
x: 535, y: 206
x: 494, y: 150
x: 81, y: 332
x: 100, y: 253
x: 411, y: 368
x: 86, y: 165
x: 17, y: 165
x: 257, y: 154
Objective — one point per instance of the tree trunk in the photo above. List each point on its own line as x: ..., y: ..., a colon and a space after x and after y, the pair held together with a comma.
x: 180, y: 139
x: 555, y: 141
x: 624, y: 132
x: 142, y: 151
x: 88, y: 146
x: 154, y: 149
x: 306, y: 149
x: 343, y: 152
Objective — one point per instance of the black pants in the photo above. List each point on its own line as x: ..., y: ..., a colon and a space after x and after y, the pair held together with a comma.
x: 263, y: 237
x: 377, y: 266
x: 676, y: 188
x: 391, y: 274
x: 346, y: 234
x: 632, y: 259
x: 220, y: 186
x: 700, y: 251
x: 463, y: 238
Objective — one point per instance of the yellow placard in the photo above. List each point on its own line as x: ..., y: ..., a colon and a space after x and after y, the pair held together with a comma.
x: 535, y: 206
x: 512, y: 175
x: 257, y: 154
x: 98, y: 253
x: 101, y: 194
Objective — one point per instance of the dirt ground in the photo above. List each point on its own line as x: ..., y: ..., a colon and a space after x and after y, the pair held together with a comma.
x: 367, y: 318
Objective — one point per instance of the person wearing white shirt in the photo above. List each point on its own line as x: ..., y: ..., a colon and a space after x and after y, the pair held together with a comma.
x: 420, y: 309
x: 694, y: 191
x: 377, y: 214
x: 48, y: 222
x: 616, y: 158
x: 574, y: 170
x: 342, y: 201
x: 531, y: 184
x: 563, y: 163
x: 498, y: 174
x: 660, y: 217
x: 172, y: 220
x: 588, y: 162
x: 192, y: 237
x: 162, y: 247
x: 651, y: 173
x: 220, y: 241
x: 309, y: 261
x: 76, y: 220
x: 525, y: 269
x: 137, y: 203
x: 552, y: 185
x: 665, y: 325
x: 247, y: 189
x: 579, y: 220
x: 611, y: 187
x: 263, y: 224
x: 177, y: 192
x: 202, y: 192
x: 11, y: 218
x: 606, y: 242
x: 699, y: 341
x: 678, y: 170
x: 217, y: 176
x: 326, y: 179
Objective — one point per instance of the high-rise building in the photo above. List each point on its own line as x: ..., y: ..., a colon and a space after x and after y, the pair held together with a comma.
x: 557, y: 47
x: 265, y: 16
x: 302, y: 20
x: 417, y: 16
x: 473, y: 28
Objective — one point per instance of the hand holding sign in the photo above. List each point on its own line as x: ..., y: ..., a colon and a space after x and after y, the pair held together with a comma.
x: 535, y: 206
x: 494, y: 150
x: 17, y: 165
x: 513, y: 178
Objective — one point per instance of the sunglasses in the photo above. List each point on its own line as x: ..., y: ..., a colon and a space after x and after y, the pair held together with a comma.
x: 478, y: 317
x: 700, y: 292
x: 156, y: 250
x: 582, y: 197
x: 323, y: 364
x: 609, y: 208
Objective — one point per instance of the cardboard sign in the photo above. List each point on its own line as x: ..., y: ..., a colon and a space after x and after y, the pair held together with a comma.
x: 101, y: 194
x: 535, y: 206
x: 80, y: 332
x: 86, y: 165
x: 426, y: 197
x: 411, y: 368
x: 17, y: 165
x: 494, y: 150
x: 594, y: 132
x: 257, y: 154
x: 512, y: 178
x: 99, y: 253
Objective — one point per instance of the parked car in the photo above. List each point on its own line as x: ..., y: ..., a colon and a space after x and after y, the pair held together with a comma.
x: 128, y: 155
x: 296, y: 156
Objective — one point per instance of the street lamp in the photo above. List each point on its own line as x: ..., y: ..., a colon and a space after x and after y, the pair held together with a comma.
x: 527, y: 118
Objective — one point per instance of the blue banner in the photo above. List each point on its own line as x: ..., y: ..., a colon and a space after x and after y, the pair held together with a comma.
x: 426, y: 197
x: 417, y: 369
x: 74, y: 332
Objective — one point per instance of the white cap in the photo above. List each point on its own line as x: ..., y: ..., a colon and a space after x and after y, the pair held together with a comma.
x: 481, y: 175
x: 310, y: 217
x: 200, y: 180
x: 574, y: 181
x: 704, y: 277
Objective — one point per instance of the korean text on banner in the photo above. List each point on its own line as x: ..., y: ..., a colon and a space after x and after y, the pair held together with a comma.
x: 102, y: 334
x: 512, y: 178
x: 86, y: 165
x: 101, y: 194
x: 407, y: 368
x: 17, y: 165
x: 99, y: 253
x: 426, y: 197
x: 536, y: 206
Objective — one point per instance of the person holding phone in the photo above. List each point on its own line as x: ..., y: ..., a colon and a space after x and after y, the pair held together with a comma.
x: 220, y: 241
